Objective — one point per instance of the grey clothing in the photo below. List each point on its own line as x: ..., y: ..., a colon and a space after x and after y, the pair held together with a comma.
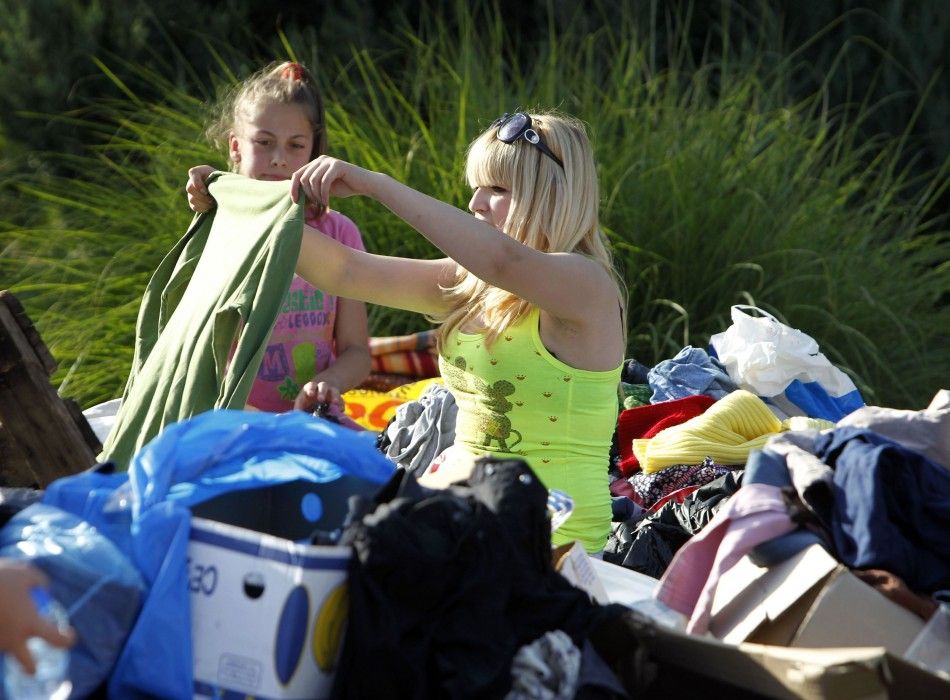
x: 422, y: 429
x: 926, y: 431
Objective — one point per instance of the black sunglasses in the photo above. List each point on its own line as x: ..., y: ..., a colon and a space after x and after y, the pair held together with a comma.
x: 512, y: 127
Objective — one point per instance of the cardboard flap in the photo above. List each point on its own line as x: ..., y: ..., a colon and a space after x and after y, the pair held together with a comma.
x: 864, y: 673
x: 826, y: 673
x: 849, y: 612
x: 749, y: 596
x: 572, y: 562
x: 623, y: 585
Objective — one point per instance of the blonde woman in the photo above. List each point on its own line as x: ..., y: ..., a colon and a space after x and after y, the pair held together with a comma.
x: 530, y: 306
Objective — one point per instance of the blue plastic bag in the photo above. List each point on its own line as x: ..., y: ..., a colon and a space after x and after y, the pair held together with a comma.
x: 96, y: 583
x: 146, y: 512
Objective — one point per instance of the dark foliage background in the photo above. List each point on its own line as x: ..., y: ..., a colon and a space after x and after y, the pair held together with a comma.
x: 791, y: 154
x: 892, y: 53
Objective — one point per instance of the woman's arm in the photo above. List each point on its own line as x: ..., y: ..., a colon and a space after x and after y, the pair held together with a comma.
x: 401, y: 283
x: 566, y: 285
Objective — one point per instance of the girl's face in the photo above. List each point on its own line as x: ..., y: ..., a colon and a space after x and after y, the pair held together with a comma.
x: 274, y: 141
x: 491, y: 204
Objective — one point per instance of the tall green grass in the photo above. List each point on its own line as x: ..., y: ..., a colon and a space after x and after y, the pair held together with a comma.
x: 716, y: 189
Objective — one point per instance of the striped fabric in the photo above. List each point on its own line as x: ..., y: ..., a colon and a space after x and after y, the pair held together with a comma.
x: 411, y: 355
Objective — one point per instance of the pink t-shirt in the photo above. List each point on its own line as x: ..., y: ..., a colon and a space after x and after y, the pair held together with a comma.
x: 301, y: 343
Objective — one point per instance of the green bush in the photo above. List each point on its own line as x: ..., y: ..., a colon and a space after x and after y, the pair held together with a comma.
x: 717, y: 189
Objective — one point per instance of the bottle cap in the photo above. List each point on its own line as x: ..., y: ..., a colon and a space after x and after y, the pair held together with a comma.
x: 42, y: 599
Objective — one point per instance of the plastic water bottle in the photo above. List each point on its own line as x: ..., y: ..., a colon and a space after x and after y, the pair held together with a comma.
x: 51, y: 680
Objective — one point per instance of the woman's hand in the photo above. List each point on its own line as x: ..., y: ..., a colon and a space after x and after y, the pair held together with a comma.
x: 19, y: 619
x: 198, y: 198
x: 316, y: 394
x: 324, y: 177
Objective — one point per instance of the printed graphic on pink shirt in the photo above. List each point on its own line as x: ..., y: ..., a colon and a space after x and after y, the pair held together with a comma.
x: 301, y: 344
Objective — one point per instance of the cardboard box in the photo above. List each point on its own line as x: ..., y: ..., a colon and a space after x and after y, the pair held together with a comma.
x: 809, y: 600
x: 268, y: 613
x: 782, y: 672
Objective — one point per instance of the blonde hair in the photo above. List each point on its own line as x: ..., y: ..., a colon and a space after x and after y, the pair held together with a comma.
x: 279, y: 82
x: 553, y: 209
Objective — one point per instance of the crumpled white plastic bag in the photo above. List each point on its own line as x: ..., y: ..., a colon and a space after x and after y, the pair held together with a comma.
x: 763, y: 355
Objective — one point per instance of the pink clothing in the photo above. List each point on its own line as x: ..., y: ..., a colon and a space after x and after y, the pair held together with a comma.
x: 755, y: 514
x: 301, y: 343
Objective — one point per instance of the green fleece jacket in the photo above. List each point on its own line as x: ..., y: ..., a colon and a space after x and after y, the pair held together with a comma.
x: 208, y: 310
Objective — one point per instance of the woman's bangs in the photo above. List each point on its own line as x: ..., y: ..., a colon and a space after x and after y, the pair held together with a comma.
x: 490, y: 163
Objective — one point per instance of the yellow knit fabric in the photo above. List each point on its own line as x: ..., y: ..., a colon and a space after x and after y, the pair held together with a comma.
x: 728, y: 430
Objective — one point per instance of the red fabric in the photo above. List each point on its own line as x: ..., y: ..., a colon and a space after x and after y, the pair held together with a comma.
x: 646, y: 421
x: 679, y: 495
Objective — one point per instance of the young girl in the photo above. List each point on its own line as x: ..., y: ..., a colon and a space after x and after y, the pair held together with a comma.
x: 531, y: 309
x: 273, y: 124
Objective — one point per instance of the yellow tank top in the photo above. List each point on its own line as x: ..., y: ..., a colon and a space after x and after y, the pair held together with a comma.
x: 517, y: 399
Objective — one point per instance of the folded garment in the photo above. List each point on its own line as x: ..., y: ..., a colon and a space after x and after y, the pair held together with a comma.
x: 726, y: 432
x: 413, y: 363
x: 381, y: 345
x: 646, y: 421
x: 412, y: 355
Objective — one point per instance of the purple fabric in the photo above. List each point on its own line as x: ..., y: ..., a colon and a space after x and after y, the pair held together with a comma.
x: 653, y: 487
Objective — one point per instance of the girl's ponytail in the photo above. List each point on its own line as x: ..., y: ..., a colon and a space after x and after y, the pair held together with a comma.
x: 291, y: 71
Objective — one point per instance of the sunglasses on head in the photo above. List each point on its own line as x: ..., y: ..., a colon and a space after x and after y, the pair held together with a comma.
x: 512, y: 127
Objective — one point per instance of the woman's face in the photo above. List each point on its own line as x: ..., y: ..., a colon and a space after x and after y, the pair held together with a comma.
x: 491, y: 204
x: 275, y: 141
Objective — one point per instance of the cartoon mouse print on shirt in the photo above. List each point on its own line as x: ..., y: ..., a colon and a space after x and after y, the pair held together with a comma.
x: 494, y: 425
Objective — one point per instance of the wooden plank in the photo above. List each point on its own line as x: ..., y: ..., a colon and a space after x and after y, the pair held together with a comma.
x: 40, y: 429
x: 14, y: 467
x: 32, y: 336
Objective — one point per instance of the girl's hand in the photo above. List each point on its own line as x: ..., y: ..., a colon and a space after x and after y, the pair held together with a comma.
x: 198, y: 198
x: 325, y: 177
x: 314, y: 394
x: 19, y: 619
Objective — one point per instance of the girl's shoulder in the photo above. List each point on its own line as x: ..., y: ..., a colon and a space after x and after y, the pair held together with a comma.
x: 338, y: 227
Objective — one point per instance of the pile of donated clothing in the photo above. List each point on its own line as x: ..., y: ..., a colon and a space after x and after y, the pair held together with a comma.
x: 453, y: 591
x: 870, y: 483
x: 760, y: 446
